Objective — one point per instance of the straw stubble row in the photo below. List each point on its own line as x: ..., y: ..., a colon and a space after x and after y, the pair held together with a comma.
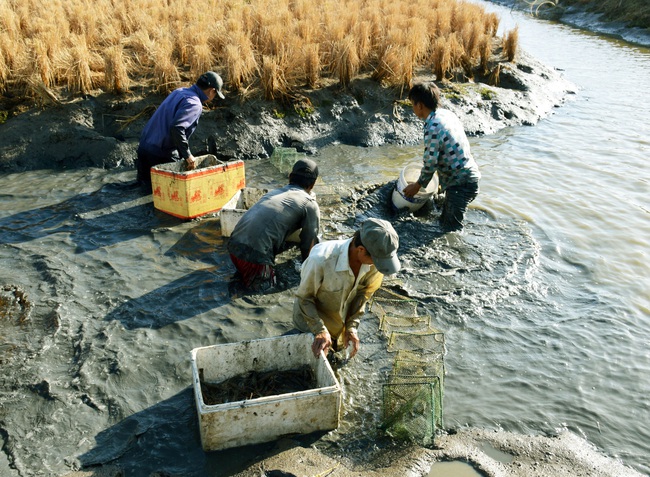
x: 268, y: 46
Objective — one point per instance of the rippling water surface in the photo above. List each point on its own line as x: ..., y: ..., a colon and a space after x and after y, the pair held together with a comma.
x: 544, y: 298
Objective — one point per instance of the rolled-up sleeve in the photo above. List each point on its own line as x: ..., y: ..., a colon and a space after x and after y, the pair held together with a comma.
x: 368, y: 286
x: 310, y: 227
x: 310, y: 282
x: 431, y: 153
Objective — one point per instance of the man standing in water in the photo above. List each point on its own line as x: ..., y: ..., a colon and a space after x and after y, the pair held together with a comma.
x: 261, y: 233
x: 165, y: 138
x: 337, y: 280
x: 446, y: 150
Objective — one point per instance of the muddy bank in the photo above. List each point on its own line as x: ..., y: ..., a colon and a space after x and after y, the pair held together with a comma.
x: 491, y: 453
x: 465, y: 452
x: 580, y: 16
x: 102, y: 130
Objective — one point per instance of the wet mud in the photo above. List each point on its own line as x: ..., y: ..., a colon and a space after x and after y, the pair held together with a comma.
x: 118, y: 363
x: 255, y: 385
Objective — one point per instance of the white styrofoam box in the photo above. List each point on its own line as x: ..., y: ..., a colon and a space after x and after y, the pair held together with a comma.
x: 264, y: 419
x: 237, y: 207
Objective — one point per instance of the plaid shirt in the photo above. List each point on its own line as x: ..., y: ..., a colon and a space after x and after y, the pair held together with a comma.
x: 446, y: 150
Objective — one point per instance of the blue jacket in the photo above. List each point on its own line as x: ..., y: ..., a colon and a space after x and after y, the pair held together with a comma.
x: 171, y: 126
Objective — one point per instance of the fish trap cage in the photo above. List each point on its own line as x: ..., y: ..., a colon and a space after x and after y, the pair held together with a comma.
x: 283, y: 158
x: 409, y: 408
x: 412, y: 395
x: 414, y: 364
x: 388, y: 303
x: 424, y: 342
x: 415, y: 385
x: 404, y: 323
x: 415, y: 371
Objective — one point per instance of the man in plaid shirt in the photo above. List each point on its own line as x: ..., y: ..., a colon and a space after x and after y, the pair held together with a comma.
x: 446, y: 150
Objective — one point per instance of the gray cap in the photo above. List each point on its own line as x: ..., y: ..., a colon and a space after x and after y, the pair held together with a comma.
x: 212, y: 80
x: 305, y: 168
x: 381, y: 241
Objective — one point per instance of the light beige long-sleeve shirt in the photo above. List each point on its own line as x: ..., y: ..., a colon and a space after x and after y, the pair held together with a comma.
x: 329, y: 297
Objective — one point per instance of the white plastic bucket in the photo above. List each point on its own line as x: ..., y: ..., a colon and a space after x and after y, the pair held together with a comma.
x: 410, y: 174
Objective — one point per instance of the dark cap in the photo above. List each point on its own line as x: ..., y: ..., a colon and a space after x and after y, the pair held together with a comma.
x: 305, y: 168
x: 212, y: 80
x: 381, y: 241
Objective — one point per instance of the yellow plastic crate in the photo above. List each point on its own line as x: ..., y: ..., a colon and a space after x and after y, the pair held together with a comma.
x: 190, y: 194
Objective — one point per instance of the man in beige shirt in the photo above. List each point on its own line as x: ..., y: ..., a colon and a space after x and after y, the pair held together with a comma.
x: 337, y: 280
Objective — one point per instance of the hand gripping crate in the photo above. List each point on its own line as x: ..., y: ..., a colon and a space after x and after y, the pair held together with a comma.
x: 204, y: 190
x: 263, y: 419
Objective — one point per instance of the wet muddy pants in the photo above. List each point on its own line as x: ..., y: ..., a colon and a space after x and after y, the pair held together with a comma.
x: 144, y: 164
x: 457, y: 198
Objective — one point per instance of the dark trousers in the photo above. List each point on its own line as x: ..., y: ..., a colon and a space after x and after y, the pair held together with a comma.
x: 457, y: 198
x: 144, y: 164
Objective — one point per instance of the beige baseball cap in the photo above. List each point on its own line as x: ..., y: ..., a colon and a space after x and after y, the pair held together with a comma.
x: 381, y: 241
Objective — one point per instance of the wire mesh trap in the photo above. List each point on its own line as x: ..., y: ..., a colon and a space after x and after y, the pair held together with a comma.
x: 412, y: 394
x: 386, y: 302
x: 409, y: 411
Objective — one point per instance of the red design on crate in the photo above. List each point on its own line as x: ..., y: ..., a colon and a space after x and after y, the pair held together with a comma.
x: 221, y: 190
x: 196, y: 197
x: 157, y: 192
x: 242, y: 184
x: 175, y: 197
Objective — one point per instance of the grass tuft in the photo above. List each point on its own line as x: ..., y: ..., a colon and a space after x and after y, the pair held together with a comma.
x: 78, y: 68
x: 345, y: 60
x: 312, y: 64
x: 510, y: 44
x: 116, y: 71
x: 4, y: 73
x: 495, y: 75
x: 200, y: 59
x: 485, y: 52
x: 274, y: 83
x: 441, y: 59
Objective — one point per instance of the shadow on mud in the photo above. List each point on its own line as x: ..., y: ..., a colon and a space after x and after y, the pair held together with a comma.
x: 114, y: 213
x: 153, y: 439
x: 188, y: 296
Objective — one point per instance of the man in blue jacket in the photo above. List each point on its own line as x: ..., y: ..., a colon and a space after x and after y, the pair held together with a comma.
x: 165, y: 138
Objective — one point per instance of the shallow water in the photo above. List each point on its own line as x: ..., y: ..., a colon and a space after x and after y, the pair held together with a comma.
x: 543, y: 298
x: 457, y: 469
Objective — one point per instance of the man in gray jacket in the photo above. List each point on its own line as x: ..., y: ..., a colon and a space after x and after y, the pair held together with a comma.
x: 261, y: 233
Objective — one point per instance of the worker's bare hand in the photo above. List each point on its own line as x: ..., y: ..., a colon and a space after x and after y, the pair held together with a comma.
x: 190, y: 163
x: 322, y: 342
x: 352, y: 338
x: 411, y: 189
